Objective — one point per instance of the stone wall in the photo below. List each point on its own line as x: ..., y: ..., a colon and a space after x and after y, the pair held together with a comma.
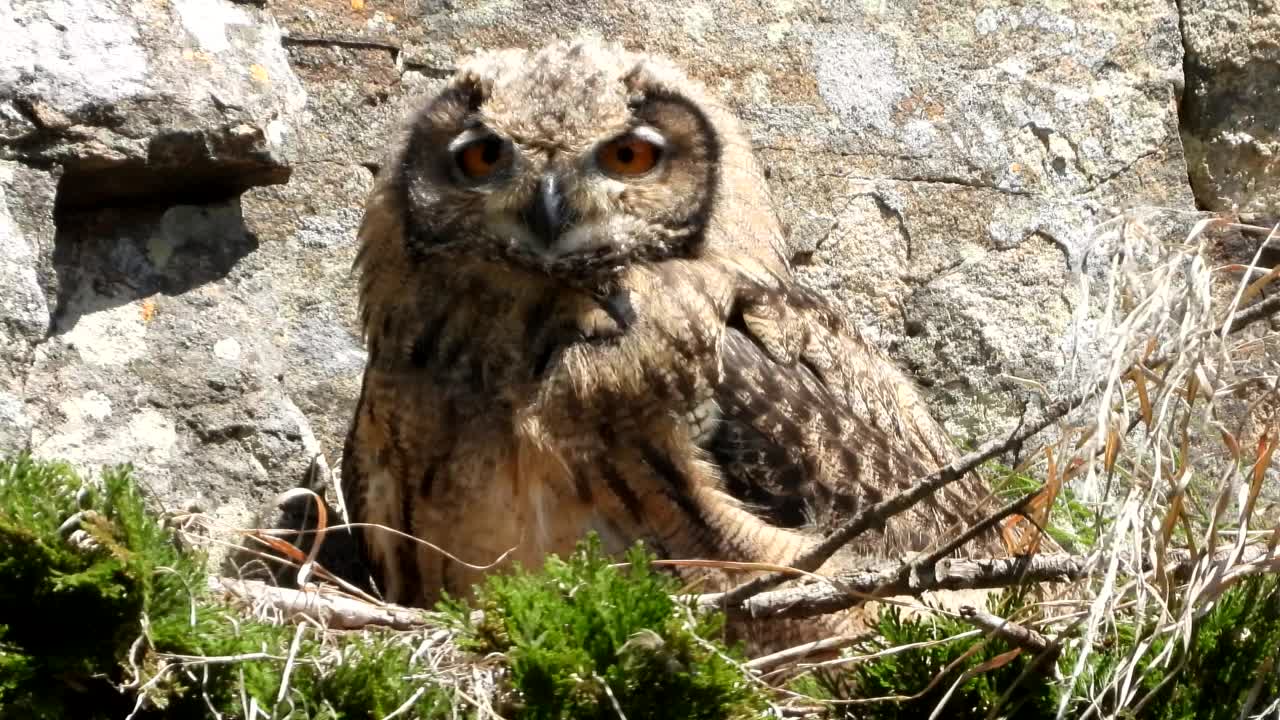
x: 181, y: 181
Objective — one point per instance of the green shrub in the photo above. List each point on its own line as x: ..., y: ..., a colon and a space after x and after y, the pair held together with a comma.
x: 69, y: 616
x: 582, y: 629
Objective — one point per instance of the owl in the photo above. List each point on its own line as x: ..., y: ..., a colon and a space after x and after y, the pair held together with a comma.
x: 580, y: 317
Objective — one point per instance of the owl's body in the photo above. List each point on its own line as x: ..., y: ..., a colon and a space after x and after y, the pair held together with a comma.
x: 562, y: 339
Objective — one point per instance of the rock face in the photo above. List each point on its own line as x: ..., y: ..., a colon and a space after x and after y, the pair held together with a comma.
x: 181, y: 182
x: 141, y: 322
x: 1231, y: 115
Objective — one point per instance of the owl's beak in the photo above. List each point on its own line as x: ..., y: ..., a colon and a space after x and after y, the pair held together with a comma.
x: 544, y: 215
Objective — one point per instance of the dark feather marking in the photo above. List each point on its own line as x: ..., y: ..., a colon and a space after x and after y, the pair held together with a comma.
x: 421, y: 354
x: 540, y: 335
x: 428, y: 479
x: 407, y: 554
x: 582, y: 487
x: 693, y: 244
x: 452, y: 355
x: 666, y: 469
x: 354, y: 486
x: 739, y: 450
x: 656, y: 381
x: 678, y: 487
x: 618, y: 307
x: 657, y: 546
x: 621, y: 489
x: 423, y: 156
x: 686, y: 381
x: 850, y: 460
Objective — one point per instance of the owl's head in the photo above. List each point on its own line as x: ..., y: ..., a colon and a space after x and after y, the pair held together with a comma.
x: 575, y: 160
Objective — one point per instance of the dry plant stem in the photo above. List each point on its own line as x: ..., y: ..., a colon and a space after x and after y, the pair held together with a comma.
x: 802, y: 711
x: 1007, y: 630
x: 800, y: 652
x: 329, y: 609
x: 849, y: 589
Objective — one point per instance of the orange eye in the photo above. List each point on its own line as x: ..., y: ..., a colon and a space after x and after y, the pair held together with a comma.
x: 629, y: 156
x: 478, y: 160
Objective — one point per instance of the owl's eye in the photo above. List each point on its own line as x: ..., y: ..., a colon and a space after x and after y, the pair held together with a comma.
x: 481, y: 158
x: 630, y: 155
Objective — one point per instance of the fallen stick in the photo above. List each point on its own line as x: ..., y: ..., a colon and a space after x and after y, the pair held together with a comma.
x: 325, y: 606
x: 846, y: 590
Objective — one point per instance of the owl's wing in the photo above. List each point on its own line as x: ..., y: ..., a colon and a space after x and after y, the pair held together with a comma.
x: 815, y: 423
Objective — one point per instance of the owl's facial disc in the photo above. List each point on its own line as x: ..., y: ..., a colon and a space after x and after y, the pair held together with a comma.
x: 574, y: 162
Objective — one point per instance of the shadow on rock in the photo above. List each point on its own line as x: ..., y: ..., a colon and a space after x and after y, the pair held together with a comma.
x: 112, y: 256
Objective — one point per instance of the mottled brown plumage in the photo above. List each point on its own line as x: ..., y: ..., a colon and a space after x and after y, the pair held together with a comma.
x: 558, y: 347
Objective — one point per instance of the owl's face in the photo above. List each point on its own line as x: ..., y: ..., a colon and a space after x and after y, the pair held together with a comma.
x: 573, y: 161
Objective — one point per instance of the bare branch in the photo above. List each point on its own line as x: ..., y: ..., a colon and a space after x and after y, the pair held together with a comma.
x: 1007, y: 630
x: 326, y: 607
x: 1258, y: 311
x: 800, y: 652
x: 846, y: 590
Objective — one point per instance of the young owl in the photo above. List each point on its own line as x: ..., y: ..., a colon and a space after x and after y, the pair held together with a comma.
x: 580, y: 317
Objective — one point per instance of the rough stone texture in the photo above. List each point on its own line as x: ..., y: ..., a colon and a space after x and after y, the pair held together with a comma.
x: 26, y: 243
x: 1231, y: 113
x: 139, y: 101
x: 941, y: 169
x: 127, y: 131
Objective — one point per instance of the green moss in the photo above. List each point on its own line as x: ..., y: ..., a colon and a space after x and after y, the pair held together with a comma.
x: 1213, y: 676
x: 66, y: 616
x: 582, y: 629
x: 580, y: 639
x: 1233, y: 653
x: 69, y: 616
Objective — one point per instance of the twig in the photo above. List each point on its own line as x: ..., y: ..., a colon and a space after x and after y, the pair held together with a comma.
x: 1258, y: 311
x: 850, y: 589
x: 613, y: 700
x: 766, y: 663
x: 407, y: 704
x: 989, y: 521
x: 327, y: 608
x: 219, y: 659
x: 1007, y: 630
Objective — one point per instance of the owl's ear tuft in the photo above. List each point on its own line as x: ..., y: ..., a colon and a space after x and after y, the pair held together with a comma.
x: 470, y: 90
x: 638, y: 81
x: 654, y: 76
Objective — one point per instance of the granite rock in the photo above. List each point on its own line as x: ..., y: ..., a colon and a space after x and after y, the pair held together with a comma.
x: 1231, y: 113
